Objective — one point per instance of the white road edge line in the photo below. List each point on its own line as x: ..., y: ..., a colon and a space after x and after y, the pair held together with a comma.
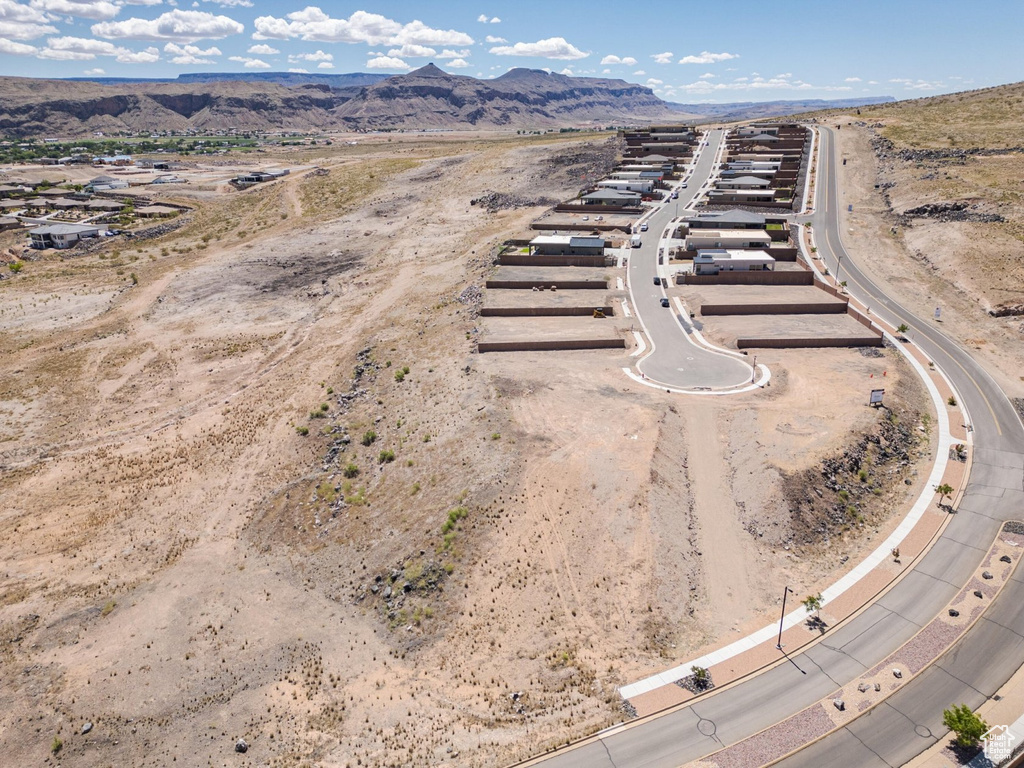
x: 640, y: 344
x: 766, y: 376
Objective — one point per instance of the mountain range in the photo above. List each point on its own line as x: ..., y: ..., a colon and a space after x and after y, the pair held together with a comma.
x: 425, y: 98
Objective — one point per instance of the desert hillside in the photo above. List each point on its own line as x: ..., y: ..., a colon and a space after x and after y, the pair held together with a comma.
x: 256, y: 481
x: 937, y: 186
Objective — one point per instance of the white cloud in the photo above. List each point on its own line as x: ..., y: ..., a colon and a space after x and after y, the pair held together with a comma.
x: 311, y: 23
x: 483, y: 19
x: 567, y: 72
x: 706, y: 75
x: 494, y: 40
x: 85, y: 49
x: 757, y: 84
x: 457, y: 64
x: 606, y: 71
x: 639, y: 72
x: 95, y: 71
x: 495, y: 20
x: 448, y: 53
x: 318, y: 56
x: 413, y: 50
x: 386, y: 62
x: 86, y: 9
x: 550, y: 48
x: 299, y: 71
x: 654, y: 81
x: 663, y: 58
x: 191, y: 54
x: 852, y: 80
x: 17, y: 49
x: 629, y: 61
x: 916, y: 85
x: 177, y: 26
x: 706, y: 57
x: 232, y: 3
x: 262, y: 50
x: 59, y: 55
x: 21, y: 22
x: 147, y: 56
x: 325, y: 65
x: 250, y: 63
x: 872, y: 82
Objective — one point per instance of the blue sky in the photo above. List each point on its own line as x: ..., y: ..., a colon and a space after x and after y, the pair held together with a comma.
x: 687, y: 52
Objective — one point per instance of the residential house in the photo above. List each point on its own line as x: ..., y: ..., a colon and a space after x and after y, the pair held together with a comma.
x: 734, y: 219
x: 743, y: 182
x: 642, y: 186
x: 727, y: 238
x: 106, y: 184
x: 104, y: 206
x: 711, y: 261
x: 118, y: 160
x: 61, y: 235
x: 567, y: 245
x: 616, y: 197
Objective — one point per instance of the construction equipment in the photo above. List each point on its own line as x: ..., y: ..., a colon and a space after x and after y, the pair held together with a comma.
x: 599, y: 313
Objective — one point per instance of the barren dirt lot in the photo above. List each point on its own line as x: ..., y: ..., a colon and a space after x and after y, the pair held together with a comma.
x: 269, y: 491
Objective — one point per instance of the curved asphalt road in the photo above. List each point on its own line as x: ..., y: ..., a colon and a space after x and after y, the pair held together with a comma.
x: 993, y: 649
x: 910, y: 721
x: 677, y: 359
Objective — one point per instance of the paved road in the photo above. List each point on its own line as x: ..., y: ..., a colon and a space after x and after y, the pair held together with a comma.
x: 677, y: 360
x: 988, y: 655
x: 994, y: 649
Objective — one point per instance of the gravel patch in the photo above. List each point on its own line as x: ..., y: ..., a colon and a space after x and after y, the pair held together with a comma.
x: 925, y: 647
x: 1014, y: 526
x: 776, y: 741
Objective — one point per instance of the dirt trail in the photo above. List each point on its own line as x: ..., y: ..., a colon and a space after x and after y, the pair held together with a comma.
x: 723, y: 542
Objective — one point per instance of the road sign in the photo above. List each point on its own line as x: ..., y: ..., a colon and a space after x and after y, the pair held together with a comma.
x: 876, y: 396
x: 938, y: 313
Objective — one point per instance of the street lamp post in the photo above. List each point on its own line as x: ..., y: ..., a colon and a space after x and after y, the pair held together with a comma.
x: 783, y: 616
x: 753, y: 375
x: 839, y: 265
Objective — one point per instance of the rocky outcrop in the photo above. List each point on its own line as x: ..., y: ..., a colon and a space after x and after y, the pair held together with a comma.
x: 956, y: 211
x: 430, y: 97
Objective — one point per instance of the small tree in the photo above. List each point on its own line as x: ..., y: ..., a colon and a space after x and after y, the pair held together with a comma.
x: 902, y: 328
x: 813, y: 604
x: 968, y: 727
x: 701, y: 677
x: 945, y: 490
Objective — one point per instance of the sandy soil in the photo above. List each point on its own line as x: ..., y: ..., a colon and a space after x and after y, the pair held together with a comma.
x: 458, y: 562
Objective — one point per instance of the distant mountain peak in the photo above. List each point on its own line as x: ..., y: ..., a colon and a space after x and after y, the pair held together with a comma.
x: 430, y: 71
